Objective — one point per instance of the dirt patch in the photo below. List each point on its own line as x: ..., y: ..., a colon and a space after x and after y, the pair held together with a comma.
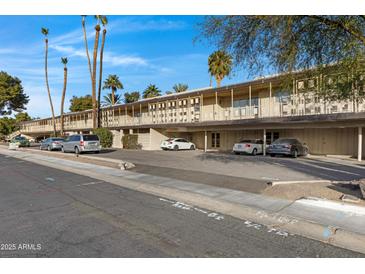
x: 331, y: 191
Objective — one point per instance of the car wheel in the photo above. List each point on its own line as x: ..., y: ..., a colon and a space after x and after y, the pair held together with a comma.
x: 97, y: 152
x: 254, y: 152
x: 237, y: 153
x: 77, y: 151
x: 295, y: 153
x: 49, y: 148
x: 272, y: 155
x: 63, y: 150
x: 192, y: 147
x: 176, y: 147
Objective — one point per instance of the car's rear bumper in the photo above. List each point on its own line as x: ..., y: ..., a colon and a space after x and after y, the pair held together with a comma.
x: 279, y: 151
x: 56, y: 146
x: 90, y: 149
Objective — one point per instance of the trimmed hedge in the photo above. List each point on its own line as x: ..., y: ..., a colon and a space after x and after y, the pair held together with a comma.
x: 130, y: 141
x: 105, y: 136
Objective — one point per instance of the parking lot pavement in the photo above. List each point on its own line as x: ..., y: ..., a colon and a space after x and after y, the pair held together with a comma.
x: 47, y: 212
x: 257, y: 168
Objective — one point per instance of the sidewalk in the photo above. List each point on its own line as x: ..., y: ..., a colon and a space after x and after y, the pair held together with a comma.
x: 327, y: 221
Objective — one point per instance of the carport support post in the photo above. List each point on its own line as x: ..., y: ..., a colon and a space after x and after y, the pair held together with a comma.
x: 359, y: 145
x: 264, y: 143
x: 205, y: 141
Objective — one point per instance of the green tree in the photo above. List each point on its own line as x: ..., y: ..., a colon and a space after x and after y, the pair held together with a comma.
x: 286, y: 44
x: 131, y: 97
x: 7, y: 126
x: 105, y: 136
x: 81, y: 103
x: 12, y: 96
x: 113, y: 83
x: 180, y: 87
x: 219, y: 65
x: 64, y: 61
x: 110, y: 99
x: 104, y: 22
x: 22, y: 117
x: 151, y: 91
x: 45, y: 32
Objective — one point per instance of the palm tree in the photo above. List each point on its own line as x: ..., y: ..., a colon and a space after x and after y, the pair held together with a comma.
x: 130, y: 97
x: 111, y: 99
x: 113, y: 83
x: 95, y: 57
x: 180, y: 87
x: 86, y: 46
x: 220, y: 65
x: 151, y: 91
x: 64, y: 61
x: 45, y: 33
x: 104, y: 22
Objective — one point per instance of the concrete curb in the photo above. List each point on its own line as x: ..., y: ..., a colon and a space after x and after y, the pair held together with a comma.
x: 123, y: 165
x: 274, y: 183
x: 273, y: 220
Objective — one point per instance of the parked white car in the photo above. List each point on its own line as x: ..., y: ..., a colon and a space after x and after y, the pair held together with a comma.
x: 177, y: 144
x: 249, y: 147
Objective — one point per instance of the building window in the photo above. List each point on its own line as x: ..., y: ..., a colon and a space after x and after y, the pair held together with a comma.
x: 300, y: 84
x: 311, y: 83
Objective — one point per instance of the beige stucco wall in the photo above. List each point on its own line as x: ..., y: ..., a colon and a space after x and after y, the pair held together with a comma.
x: 156, y: 137
x: 117, y: 136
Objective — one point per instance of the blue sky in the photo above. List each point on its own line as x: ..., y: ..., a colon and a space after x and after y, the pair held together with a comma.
x: 141, y: 50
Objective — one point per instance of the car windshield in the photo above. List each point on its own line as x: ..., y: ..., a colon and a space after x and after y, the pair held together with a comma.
x: 170, y: 140
x: 91, y: 138
x: 284, y: 141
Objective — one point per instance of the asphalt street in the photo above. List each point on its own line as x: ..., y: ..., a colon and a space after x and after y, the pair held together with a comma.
x: 46, y: 212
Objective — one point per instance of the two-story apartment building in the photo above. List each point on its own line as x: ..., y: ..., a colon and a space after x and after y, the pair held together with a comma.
x: 216, y: 118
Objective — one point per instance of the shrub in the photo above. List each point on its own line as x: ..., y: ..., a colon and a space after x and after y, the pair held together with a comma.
x: 130, y: 141
x: 105, y: 136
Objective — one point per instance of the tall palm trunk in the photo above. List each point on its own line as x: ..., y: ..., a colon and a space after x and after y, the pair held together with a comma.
x: 101, y: 75
x: 87, y: 48
x: 113, y: 95
x: 95, y: 56
x: 49, y: 92
x: 218, y: 79
x: 63, y: 97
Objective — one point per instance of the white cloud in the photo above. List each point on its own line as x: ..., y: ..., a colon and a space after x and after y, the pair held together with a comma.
x: 109, y: 57
x: 132, y: 25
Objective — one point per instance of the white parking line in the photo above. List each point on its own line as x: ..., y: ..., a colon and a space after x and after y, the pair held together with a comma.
x: 331, y: 169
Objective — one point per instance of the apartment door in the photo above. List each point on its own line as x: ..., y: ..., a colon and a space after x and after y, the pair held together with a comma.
x: 216, y: 140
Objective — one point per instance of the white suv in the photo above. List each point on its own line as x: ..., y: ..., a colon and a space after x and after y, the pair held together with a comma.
x: 177, y: 144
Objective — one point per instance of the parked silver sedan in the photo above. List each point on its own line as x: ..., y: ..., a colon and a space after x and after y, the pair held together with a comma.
x: 290, y: 146
x: 52, y: 143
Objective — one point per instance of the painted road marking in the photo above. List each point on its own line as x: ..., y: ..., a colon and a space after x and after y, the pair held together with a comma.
x: 50, y: 179
x: 247, y: 223
x: 91, y: 183
x: 331, y: 169
x: 180, y: 205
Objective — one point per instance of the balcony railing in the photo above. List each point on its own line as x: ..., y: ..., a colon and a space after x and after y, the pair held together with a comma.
x: 293, y: 105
